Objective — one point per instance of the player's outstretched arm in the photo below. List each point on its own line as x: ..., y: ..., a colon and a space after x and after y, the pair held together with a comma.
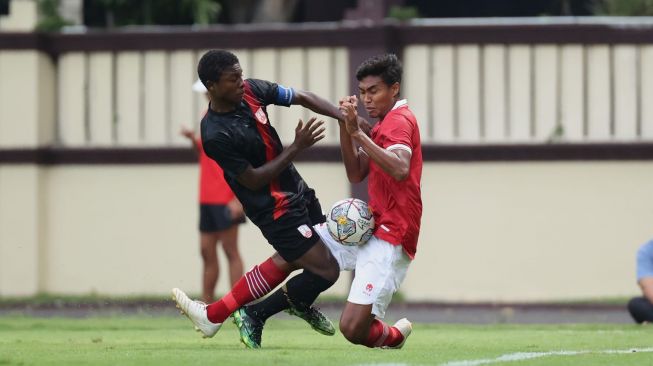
x: 316, y: 103
x: 356, y: 163
x: 306, y: 135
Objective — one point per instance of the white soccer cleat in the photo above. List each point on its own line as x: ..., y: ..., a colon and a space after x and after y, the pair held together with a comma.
x: 196, y: 312
x: 405, y: 328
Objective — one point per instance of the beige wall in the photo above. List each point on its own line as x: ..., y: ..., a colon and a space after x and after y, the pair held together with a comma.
x: 490, y: 232
x: 22, y: 17
x: 531, y: 231
x: 117, y: 229
x: 474, y: 93
x: 27, y: 99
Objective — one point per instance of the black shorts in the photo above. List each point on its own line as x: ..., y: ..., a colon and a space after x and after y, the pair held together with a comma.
x: 292, y: 235
x: 216, y: 218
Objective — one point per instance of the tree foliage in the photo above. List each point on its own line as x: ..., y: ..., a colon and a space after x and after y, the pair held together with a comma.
x: 624, y: 7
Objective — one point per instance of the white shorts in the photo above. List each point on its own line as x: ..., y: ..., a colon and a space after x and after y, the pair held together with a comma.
x: 380, y: 269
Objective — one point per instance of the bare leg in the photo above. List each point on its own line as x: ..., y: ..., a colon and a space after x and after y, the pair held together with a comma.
x: 319, y: 261
x: 208, y: 244
x: 230, y: 247
x: 355, y: 322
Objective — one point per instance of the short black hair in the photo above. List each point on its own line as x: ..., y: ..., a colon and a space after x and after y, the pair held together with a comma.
x: 213, y: 63
x: 387, y: 67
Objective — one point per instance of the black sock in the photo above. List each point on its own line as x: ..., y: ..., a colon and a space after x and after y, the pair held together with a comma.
x: 301, y: 290
x: 275, y: 303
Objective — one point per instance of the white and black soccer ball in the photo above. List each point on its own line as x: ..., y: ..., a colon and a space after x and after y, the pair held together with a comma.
x: 350, y: 222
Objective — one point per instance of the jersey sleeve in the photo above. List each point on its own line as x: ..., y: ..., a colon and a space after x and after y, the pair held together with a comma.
x: 271, y: 93
x: 645, y: 261
x: 398, y: 133
x: 222, y: 149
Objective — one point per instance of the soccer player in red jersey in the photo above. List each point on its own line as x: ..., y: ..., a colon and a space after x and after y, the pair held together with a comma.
x: 391, y: 158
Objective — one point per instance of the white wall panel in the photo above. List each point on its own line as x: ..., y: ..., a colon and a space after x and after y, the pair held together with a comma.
x: 157, y: 118
x: 494, y: 96
x: 546, y: 79
x: 443, y: 99
x: 416, y: 66
x: 100, y: 98
x: 469, y: 102
x: 625, y: 92
x: 646, y: 85
x: 292, y: 71
x: 520, y: 93
x: 72, y: 98
x: 129, y: 97
x: 599, y: 104
x: 182, y: 77
x: 320, y: 80
x: 572, y: 99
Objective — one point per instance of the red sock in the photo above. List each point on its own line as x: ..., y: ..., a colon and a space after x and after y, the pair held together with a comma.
x: 381, y: 334
x: 255, y: 284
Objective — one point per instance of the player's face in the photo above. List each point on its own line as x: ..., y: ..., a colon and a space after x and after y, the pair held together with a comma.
x: 378, y: 97
x: 230, y: 87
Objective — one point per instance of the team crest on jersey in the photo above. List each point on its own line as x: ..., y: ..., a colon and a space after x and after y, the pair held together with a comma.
x: 305, y: 231
x: 260, y: 116
x: 368, y: 289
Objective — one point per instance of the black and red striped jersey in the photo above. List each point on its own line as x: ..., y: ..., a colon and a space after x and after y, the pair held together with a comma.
x: 245, y: 137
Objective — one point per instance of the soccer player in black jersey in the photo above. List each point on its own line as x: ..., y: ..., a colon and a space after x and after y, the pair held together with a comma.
x: 237, y: 134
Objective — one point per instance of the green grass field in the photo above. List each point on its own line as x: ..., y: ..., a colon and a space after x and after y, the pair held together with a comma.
x: 163, y: 340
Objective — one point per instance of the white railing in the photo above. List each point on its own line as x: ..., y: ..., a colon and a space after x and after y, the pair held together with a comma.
x: 135, y: 98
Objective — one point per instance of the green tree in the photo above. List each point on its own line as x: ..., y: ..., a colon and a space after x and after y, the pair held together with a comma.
x: 624, y: 7
x: 50, y: 19
x: 204, y: 11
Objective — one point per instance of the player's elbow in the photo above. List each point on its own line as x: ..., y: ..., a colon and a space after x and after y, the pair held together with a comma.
x: 400, y: 174
x: 355, y: 176
x: 253, y: 183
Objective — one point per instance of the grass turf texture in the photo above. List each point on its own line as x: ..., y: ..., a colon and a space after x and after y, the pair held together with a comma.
x: 144, y: 340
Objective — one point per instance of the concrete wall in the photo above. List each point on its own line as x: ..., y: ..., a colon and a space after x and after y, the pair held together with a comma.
x: 490, y: 231
x: 22, y: 17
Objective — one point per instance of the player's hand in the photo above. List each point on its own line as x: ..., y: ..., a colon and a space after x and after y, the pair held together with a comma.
x: 187, y: 132
x: 352, y: 99
x: 235, y: 209
x: 306, y: 135
x: 351, y: 117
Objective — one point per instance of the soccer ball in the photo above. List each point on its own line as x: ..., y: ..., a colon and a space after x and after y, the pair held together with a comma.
x: 350, y: 222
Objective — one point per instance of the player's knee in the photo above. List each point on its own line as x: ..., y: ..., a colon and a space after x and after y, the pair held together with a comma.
x: 207, y: 254
x: 352, y: 332
x: 332, y: 274
x: 640, y: 309
x: 328, y: 271
x: 232, y: 256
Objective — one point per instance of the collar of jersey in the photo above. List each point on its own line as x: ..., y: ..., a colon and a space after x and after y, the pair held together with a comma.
x: 399, y: 104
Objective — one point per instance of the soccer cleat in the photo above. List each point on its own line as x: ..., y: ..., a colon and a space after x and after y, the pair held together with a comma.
x: 314, y: 317
x: 196, y: 312
x: 249, y: 327
x: 405, y: 328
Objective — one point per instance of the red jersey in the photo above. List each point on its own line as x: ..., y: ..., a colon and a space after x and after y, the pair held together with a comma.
x: 214, y: 190
x: 397, y: 205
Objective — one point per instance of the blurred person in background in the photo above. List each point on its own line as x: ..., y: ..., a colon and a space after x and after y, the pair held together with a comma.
x: 220, y: 215
x: 641, y: 308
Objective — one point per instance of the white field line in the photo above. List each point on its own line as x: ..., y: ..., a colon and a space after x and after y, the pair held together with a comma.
x: 520, y: 356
